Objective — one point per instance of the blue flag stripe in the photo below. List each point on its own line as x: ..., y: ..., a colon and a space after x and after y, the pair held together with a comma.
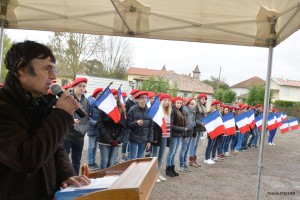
x: 102, y: 97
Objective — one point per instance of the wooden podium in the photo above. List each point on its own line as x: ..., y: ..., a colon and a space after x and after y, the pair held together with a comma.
x: 136, y: 181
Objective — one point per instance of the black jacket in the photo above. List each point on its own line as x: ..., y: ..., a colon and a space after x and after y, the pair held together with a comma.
x: 33, y: 162
x: 110, y: 131
x: 177, y: 125
x: 140, y: 134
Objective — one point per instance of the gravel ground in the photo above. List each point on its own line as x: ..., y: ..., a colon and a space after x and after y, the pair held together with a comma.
x: 235, y: 177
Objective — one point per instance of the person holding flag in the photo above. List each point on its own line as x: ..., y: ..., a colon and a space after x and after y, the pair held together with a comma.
x: 272, y: 132
x: 160, y: 136
x: 111, y: 132
x: 93, y: 132
x: 201, y: 112
x: 178, y: 127
x: 258, y: 111
x: 140, y: 127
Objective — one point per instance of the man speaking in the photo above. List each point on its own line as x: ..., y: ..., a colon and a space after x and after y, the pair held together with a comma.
x: 33, y: 162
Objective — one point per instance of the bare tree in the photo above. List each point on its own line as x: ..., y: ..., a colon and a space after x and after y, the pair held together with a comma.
x: 73, y: 50
x: 116, y: 57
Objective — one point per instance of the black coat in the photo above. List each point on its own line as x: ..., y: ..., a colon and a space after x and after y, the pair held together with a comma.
x: 177, y: 126
x: 33, y: 162
x: 110, y: 131
x: 140, y: 134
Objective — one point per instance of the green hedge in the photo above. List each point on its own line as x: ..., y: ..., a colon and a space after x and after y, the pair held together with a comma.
x: 293, y: 112
x: 280, y: 103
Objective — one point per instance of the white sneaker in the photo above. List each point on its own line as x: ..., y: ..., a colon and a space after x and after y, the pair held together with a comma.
x: 209, y: 162
x: 270, y: 143
x: 273, y: 143
x: 215, y: 159
x: 157, y: 180
x: 226, y: 154
x: 160, y: 177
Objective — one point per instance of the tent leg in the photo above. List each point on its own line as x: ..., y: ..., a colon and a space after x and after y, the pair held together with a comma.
x: 265, y: 119
x: 1, y: 48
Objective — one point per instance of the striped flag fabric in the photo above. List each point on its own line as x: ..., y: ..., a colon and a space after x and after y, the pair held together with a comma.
x: 229, y: 124
x: 108, y: 104
x: 242, y: 123
x: 271, y: 121
x: 258, y: 122
x: 283, y: 116
x: 155, y: 112
x: 214, y: 124
x: 293, y: 123
x: 284, y: 127
x: 251, y: 118
x: 148, y: 103
x: 278, y: 120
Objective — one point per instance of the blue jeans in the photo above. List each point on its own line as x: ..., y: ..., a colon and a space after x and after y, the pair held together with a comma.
x: 194, y: 144
x: 76, y: 149
x: 240, y: 138
x: 221, y: 145
x: 272, y: 135
x: 175, y: 141
x: 216, y: 143
x: 137, y: 150
x: 108, y: 155
x: 185, y: 144
x: 209, y: 146
x: 245, y: 140
x: 226, y: 144
x: 159, y: 151
x: 92, y: 150
x: 256, y: 136
x: 234, y: 141
x: 125, y: 144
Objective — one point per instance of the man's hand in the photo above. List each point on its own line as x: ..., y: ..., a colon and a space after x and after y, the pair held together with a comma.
x: 67, y: 103
x: 148, y: 145
x: 76, y: 181
x: 140, y: 122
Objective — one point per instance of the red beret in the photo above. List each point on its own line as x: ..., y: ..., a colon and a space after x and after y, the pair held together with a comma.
x: 174, y: 99
x: 240, y: 104
x: 200, y: 96
x: 79, y: 80
x: 237, y: 108
x: 124, y: 94
x: 96, y: 91
x: 258, y: 105
x: 151, y: 94
x: 164, y: 96
x: 189, y: 100
x: 134, y: 91
x: 244, y: 106
x: 215, y: 102
x: 67, y: 86
x: 114, y: 91
x: 138, y: 94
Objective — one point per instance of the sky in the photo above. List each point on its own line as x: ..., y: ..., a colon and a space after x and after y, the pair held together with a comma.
x: 237, y: 63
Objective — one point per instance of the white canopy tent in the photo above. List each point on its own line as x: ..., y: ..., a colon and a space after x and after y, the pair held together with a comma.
x: 262, y: 23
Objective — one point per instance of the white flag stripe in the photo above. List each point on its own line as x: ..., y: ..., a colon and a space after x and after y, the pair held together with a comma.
x: 259, y: 123
x: 108, y: 104
x: 294, y: 123
x: 229, y: 123
x: 214, y: 124
x: 158, y: 117
x: 242, y: 122
x: 285, y: 125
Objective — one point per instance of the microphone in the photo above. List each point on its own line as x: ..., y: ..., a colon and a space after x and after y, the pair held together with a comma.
x: 57, y: 90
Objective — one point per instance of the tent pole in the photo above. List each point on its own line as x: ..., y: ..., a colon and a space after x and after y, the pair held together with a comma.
x: 265, y: 119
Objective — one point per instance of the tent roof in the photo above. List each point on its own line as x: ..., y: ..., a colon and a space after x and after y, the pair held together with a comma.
x: 238, y: 22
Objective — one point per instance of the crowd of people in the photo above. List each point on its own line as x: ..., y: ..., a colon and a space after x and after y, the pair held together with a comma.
x: 39, y: 131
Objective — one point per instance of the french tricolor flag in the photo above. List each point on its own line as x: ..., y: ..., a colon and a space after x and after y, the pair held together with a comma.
x: 293, y: 123
x: 229, y: 124
x: 251, y: 118
x: 214, y: 124
x: 242, y: 123
x: 148, y: 103
x: 284, y: 127
x: 271, y: 121
x: 157, y: 115
x: 258, y: 122
x: 278, y: 120
x: 283, y: 116
x: 108, y: 104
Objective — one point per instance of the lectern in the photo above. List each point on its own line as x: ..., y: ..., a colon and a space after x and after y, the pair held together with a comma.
x: 136, y: 181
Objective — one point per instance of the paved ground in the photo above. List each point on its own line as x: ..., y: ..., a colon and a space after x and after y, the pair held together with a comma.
x: 235, y: 178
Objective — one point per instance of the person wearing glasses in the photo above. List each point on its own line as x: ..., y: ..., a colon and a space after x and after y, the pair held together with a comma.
x: 33, y: 162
